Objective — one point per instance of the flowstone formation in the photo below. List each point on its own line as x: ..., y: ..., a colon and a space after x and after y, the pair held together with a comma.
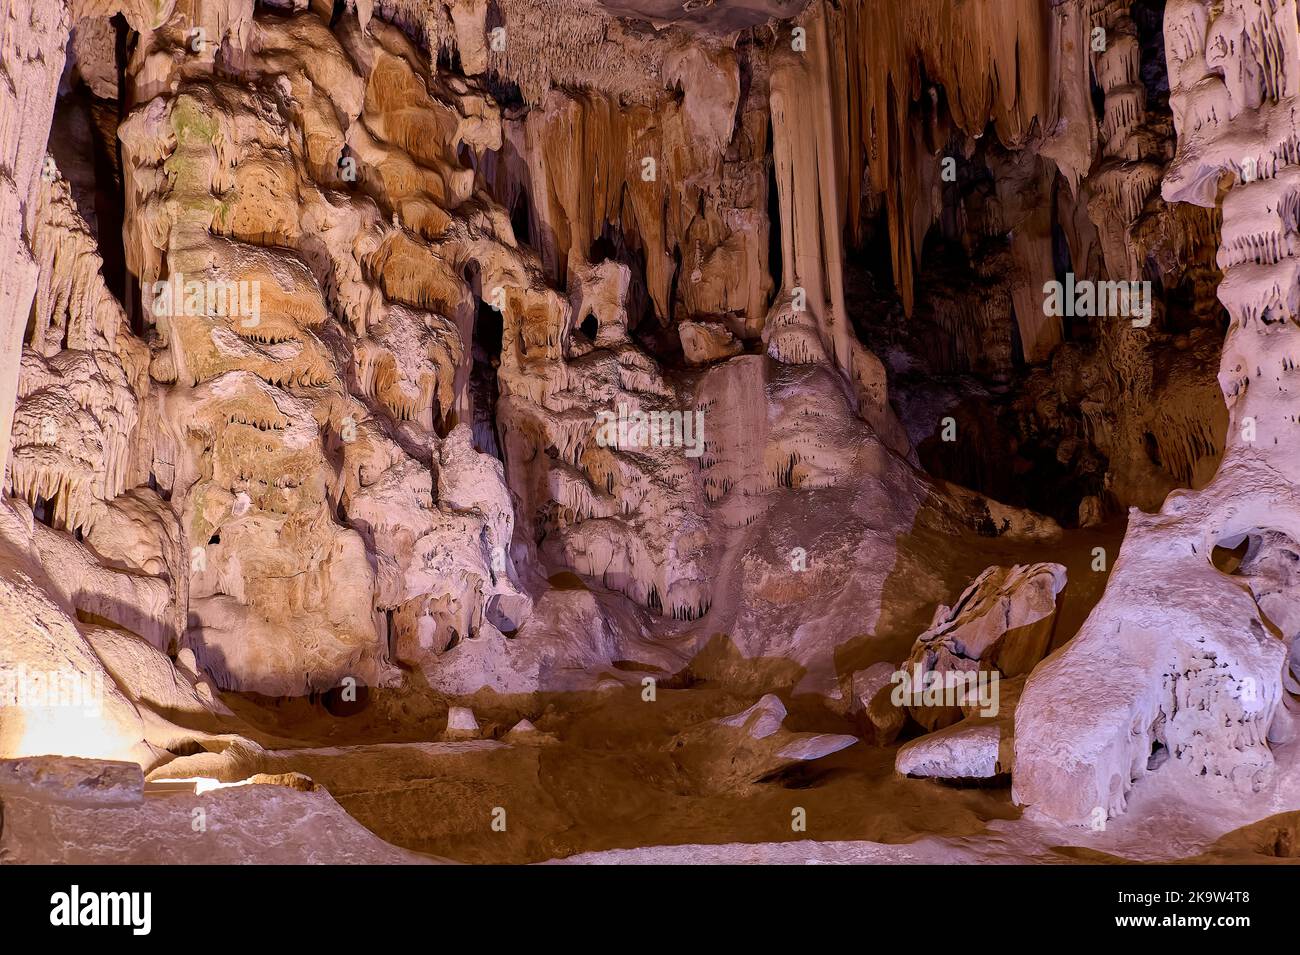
x: 649, y: 414
x: 1193, y: 662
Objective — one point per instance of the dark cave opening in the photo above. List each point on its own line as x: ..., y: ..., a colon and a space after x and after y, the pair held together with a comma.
x: 1152, y: 448
x: 489, y: 329
x: 448, y: 60
x: 1159, y: 755
x: 1062, y: 263
x: 612, y: 244
x: 602, y: 249
x: 347, y: 700
x: 775, y: 257
x: 1028, y: 433
x: 1097, y: 95
x: 1149, y: 19
x: 84, y: 144
x: 521, y: 220
x: 128, y: 288
x: 957, y: 378
x: 43, y: 510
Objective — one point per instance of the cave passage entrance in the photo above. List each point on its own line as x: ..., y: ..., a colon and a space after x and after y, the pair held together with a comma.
x: 485, y: 353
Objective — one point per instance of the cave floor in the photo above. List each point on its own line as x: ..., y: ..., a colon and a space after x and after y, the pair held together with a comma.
x: 600, y: 780
x: 604, y: 788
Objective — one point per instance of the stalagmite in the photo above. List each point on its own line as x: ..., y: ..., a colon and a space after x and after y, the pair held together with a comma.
x: 1198, y: 668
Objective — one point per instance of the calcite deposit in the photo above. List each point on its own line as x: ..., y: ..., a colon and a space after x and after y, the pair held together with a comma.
x: 449, y: 430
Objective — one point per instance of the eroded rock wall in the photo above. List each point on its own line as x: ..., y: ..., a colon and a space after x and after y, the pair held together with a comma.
x: 439, y: 301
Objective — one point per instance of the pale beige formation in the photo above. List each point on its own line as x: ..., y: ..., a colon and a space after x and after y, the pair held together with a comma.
x: 1179, y: 654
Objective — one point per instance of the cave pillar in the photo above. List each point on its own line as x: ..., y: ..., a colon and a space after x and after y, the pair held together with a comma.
x: 805, y: 146
x: 33, y: 37
x: 1178, y: 653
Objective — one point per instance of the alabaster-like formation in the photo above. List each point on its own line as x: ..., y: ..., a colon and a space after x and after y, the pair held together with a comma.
x: 1211, y: 656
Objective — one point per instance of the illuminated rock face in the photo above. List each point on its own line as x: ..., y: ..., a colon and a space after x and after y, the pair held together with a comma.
x: 1177, y: 653
x: 31, y: 49
x: 328, y: 523
x: 453, y: 347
